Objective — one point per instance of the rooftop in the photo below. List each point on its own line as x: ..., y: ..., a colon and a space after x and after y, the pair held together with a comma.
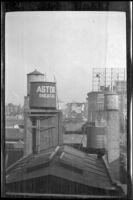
x: 73, y: 126
x: 13, y: 134
x: 19, y: 145
x: 11, y: 121
x: 66, y: 163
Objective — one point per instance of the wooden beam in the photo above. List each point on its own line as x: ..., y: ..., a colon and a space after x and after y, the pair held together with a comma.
x: 108, y: 169
x: 41, y: 115
x: 41, y: 129
x: 42, y: 111
x: 11, y: 194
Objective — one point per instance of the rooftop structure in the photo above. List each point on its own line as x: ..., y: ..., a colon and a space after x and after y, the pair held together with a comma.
x: 61, y: 170
x: 14, y: 145
x: 13, y: 134
x: 73, y: 127
x: 105, y: 78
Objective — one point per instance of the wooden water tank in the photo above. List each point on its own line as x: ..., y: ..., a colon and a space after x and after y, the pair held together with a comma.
x: 43, y: 95
x: 95, y: 137
x: 33, y: 77
x: 111, y: 101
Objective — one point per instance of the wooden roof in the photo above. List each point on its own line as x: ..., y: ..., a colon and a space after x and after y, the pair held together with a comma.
x: 35, y: 72
x: 64, y: 162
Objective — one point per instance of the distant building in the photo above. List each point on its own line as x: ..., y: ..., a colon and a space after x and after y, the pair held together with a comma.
x: 13, y: 135
x: 14, y: 145
x: 75, y: 110
x: 13, y: 121
x: 73, y: 127
x: 13, y: 110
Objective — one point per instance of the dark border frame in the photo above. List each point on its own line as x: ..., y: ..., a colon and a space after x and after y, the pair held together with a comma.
x: 120, y: 6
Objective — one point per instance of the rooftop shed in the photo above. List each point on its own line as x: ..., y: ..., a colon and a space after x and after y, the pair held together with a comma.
x: 61, y: 170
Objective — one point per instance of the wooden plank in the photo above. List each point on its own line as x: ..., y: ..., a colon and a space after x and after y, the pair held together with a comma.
x: 73, y: 151
x: 78, y: 153
x: 14, y: 194
x: 91, y: 158
x: 97, y: 163
x: 34, y: 160
x: 41, y: 127
x: 16, y: 163
x: 108, y: 170
x: 22, y: 175
x: 41, y: 115
x: 73, y: 163
x: 37, y: 167
x: 86, y: 159
x: 86, y: 178
x: 37, y: 159
x: 37, y: 162
x: 95, y: 180
x: 91, y: 170
x: 71, y: 167
x: 95, y: 167
x: 42, y: 110
x: 81, y: 164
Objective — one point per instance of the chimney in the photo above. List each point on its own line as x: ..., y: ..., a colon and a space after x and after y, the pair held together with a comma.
x: 113, y: 132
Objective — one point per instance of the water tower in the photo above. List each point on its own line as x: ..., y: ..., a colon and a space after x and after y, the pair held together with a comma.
x: 33, y: 77
x: 42, y: 120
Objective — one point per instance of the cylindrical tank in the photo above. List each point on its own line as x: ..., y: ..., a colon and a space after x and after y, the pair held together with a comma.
x: 95, y: 137
x: 113, y: 132
x: 95, y: 103
x: 33, y: 77
x: 111, y: 101
x: 100, y: 102
x: 43, y: 95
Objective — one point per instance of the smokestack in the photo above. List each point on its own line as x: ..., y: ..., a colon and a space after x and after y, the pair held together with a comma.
x: 113, y: 132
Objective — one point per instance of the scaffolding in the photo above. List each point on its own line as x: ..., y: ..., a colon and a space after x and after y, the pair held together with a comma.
x: 106, y: 78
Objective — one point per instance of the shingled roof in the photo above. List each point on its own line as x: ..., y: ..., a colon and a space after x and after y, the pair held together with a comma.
x: 64, y: 163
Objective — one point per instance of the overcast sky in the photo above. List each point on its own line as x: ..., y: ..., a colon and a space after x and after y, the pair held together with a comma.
x: 67, y: 45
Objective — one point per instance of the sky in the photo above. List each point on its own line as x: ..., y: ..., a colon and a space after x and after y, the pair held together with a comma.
x: 64, y: 44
